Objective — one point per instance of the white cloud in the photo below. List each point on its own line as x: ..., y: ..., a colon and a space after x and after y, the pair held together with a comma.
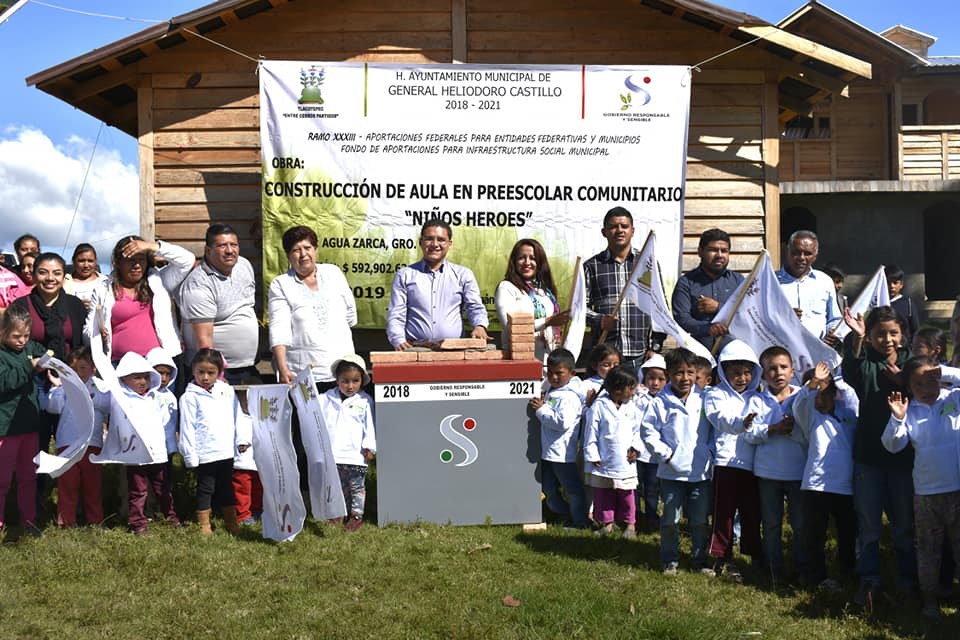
x: 40, y: 183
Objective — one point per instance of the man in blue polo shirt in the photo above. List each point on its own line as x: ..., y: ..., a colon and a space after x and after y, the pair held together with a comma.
x: 701, y: 292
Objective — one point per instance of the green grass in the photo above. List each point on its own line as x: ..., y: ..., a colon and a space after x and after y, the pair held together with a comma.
x: 416, y: 581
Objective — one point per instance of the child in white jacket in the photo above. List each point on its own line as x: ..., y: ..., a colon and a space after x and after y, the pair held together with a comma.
x: 779, y: 459
x: 825, y: 413
x: 607, y: 439
x: 654, y: 372
x: 83, y: 477
x: 163, y: 364
x: 734, y: 485
x: 680, y: 439
x: 348, y: 414
x: 559, y: 412
x: 209, y: 439
x: 930, y: 421
x: 136, y: 439
x: 247, y: 487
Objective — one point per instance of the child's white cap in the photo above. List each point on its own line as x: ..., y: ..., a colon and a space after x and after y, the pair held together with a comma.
x: 352, y: 359
x: 655, y: 361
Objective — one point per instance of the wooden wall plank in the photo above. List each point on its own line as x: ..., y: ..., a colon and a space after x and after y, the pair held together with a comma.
x: 145, y: 154
x: 723, y: 189
x: 210, y: 118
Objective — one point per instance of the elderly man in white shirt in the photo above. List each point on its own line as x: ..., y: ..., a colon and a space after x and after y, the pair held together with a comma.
x: 811, y: 292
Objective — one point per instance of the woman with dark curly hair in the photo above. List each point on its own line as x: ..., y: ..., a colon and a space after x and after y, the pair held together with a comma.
x: 132, y: 310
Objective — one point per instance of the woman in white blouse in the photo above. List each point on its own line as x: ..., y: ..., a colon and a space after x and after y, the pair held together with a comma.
x: 528, y: 286
x: 311, y: 311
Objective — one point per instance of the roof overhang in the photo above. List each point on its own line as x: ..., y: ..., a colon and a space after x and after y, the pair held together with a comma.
x: 821, y: 13
x: 104, y: 82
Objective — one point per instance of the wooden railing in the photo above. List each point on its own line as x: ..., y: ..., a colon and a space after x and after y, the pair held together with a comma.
x: 930, y: 152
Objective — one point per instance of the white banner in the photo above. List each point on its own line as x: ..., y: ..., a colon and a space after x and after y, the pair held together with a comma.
x: 366, y: 153
x: 283, y: 508
x: 645, y: 290
x: 326, y: 495
x: 79, y: 407
x: 875, y: 294
x: 765, y: 318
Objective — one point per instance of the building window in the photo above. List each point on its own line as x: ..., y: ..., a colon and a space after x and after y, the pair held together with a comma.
x: 807, y: 128
x: 910, y: 115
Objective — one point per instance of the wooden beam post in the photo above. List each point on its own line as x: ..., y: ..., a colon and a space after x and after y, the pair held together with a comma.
x: 148, y: 225
x: 945, y: 155
x: 458, y: 30
x: 771, y: 168
x: 834, y: 147
x: 897, y: 120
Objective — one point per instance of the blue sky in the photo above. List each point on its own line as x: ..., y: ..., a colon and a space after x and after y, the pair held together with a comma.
x: 45, y: 144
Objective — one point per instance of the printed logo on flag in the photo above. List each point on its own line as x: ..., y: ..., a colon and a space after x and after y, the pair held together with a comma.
x: 459, y: 440
x: 308, y: 391
x: 269, y: 409
x: 753, y: 289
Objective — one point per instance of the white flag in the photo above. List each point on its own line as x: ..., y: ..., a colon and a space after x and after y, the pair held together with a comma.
x: 875, y: 294
x: 645, y: 290
x: 573, y: 341
x: 79, y: 407
x: 283, y: 508
x: 326, y: 495
x: 765, y: 318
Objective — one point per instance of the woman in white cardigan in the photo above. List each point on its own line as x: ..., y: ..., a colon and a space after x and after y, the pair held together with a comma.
x: 311, y: 311
x: 132, y: 310
x: 528, y: 287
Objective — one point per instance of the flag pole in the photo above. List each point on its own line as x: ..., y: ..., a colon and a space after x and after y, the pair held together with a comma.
x: 623, y: 292
x: 743, y: 292
x: 573, y: 288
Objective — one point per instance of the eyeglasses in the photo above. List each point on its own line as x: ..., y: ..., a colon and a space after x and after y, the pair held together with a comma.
x: 437, y: 239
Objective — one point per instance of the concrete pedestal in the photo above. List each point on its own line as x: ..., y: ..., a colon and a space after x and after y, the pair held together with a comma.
x: 456, y: 442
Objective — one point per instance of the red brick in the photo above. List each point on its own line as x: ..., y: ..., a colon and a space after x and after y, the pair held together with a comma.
x: 487, y: 354
x: 439, y: 356
x: 385, y: 357
x: 451, y: 344
x: 519, y: 317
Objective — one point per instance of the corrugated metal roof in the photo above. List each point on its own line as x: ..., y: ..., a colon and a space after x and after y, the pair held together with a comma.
x: 944, y: 61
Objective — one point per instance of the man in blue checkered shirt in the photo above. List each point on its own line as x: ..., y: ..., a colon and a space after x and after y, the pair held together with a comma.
x: 606, y: 275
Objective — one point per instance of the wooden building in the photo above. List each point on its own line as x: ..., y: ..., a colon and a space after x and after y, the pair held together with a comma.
x: 878, y: 174
x: 188, y: 91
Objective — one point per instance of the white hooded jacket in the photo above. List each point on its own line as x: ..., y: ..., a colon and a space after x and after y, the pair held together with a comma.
x: 135, y: 436
x: 829, y: 465
x: 208, y: 424
x: 166, y: 399
x: 678, y: 436
x: 726, y: 408
x: 560, y: 418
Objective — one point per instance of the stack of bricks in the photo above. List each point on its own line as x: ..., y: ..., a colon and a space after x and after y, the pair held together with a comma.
x: 520, y: 336
x: 450, y: 350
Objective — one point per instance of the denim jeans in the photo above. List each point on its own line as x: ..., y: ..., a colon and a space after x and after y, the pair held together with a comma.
x: 877, y: 490
x: 554, y: 475
x: 648, y: 493
x: 772, y: 493
x: 694, y: 499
